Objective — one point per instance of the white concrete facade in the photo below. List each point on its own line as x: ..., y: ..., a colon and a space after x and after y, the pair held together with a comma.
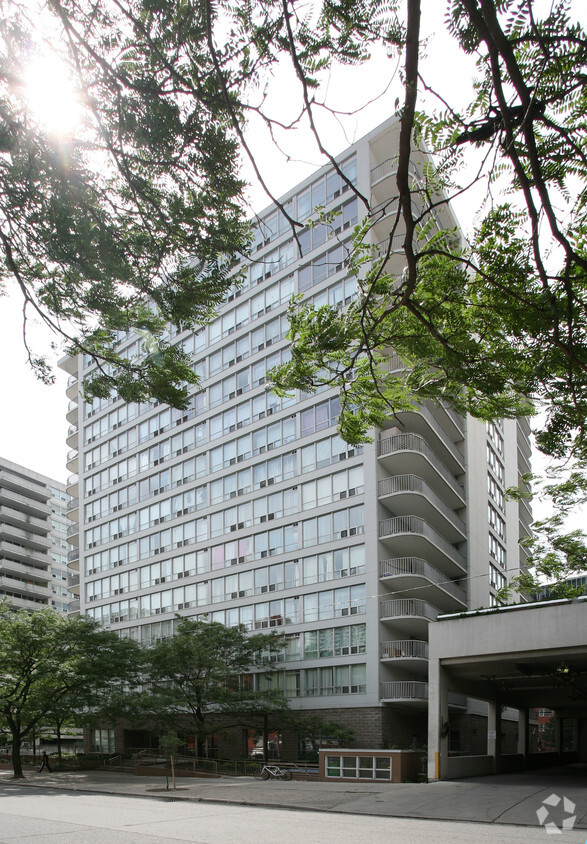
x: 33, y: 539
x: 250, y: 509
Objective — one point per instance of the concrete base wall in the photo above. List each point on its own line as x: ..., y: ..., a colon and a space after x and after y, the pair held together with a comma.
x: 406, y: 765
x: 467, y: 766
x: 376, y: 727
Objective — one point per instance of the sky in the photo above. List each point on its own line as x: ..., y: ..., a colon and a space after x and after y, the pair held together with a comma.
x: 32, y: 420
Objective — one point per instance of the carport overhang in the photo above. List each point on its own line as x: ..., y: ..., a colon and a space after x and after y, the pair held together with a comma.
x: 525, y: 656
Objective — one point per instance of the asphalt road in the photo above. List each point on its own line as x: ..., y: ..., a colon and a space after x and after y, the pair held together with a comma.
x: 55, y: 816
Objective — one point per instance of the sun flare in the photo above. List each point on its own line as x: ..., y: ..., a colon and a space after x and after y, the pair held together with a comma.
x: 50, y: 94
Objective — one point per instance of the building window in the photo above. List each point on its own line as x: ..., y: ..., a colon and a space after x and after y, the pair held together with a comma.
x: 358, y: 767
x: 102, y: 741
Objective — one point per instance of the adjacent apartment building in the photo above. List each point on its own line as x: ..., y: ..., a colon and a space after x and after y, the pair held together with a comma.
x: 250, y: 509
x: 33, y: 539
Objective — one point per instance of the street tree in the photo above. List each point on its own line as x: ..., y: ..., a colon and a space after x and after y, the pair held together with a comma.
x: 47, y: 659
x: 135, y: 220
x: 201, y: 678
x: 497, y: 320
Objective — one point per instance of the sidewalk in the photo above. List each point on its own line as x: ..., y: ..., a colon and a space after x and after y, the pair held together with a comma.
x: 504, y: 799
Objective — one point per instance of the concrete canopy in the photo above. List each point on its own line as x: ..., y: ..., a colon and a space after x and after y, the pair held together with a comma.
x: 525, y: 656
x: 528, y: 655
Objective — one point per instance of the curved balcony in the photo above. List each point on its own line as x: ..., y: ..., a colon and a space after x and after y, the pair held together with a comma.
x: 73, y: 608
x: 73, y: 584
x: 415, y: 536
x: 72, y: 504
x: 413, y: 691
x: 72, y: 410
x: 72, y: 556
x: 409, y: 495
x: 73, y: 534
x: 422, y: 421
x: 393, y: 363
x: 73, y: 509
x: 72, y: 386
x: 409, y: 453
x: 72, y: 486
x: 403, y: 691
x: 411, y: 654
x: 72, y: 438
x: 403, y: 574
x: 72, y: 460
x: 453, y: 420
x: 410, y: 615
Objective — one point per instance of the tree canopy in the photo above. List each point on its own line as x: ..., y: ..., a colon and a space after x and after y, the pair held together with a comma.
x: 134, y: 220
x: 47, y: 660
x: 203, y: 673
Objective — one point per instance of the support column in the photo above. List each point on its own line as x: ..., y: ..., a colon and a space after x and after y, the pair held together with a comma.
x: 523, y: 732
x: 557, y: 733
x: 437, y: 721
x: 494, y: 733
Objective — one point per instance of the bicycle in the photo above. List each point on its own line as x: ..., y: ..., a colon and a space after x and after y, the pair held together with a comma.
x: 274, y: 771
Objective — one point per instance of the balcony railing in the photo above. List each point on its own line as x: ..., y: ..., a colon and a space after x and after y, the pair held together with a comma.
x: 398, y: 607
x: 416, y: 566
x: 393, y: 363
x: 73, y: 555
x: 412, y: 483
x: 419, y: 527
x: 413, y: 442
x: 73, y: 580
x: 73, y: 606
x: 442, y: 436
x: 385, y: 168
x: 388, y: 168
x: 414, y: 690
x: 404, y: 690
x: 404, y: 649
x: 72, y: 530
x: 73, y: 504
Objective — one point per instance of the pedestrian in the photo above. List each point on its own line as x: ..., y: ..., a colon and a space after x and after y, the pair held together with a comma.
x: 45, y: 762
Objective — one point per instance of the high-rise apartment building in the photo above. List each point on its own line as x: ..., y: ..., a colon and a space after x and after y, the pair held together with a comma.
x: 33, y: 539
x: 250, y: 509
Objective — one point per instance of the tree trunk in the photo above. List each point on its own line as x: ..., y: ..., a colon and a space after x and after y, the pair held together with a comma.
x: 201, y: 738
x: 16, y: 760
x: 58, y: 733
x: 265, y: 739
